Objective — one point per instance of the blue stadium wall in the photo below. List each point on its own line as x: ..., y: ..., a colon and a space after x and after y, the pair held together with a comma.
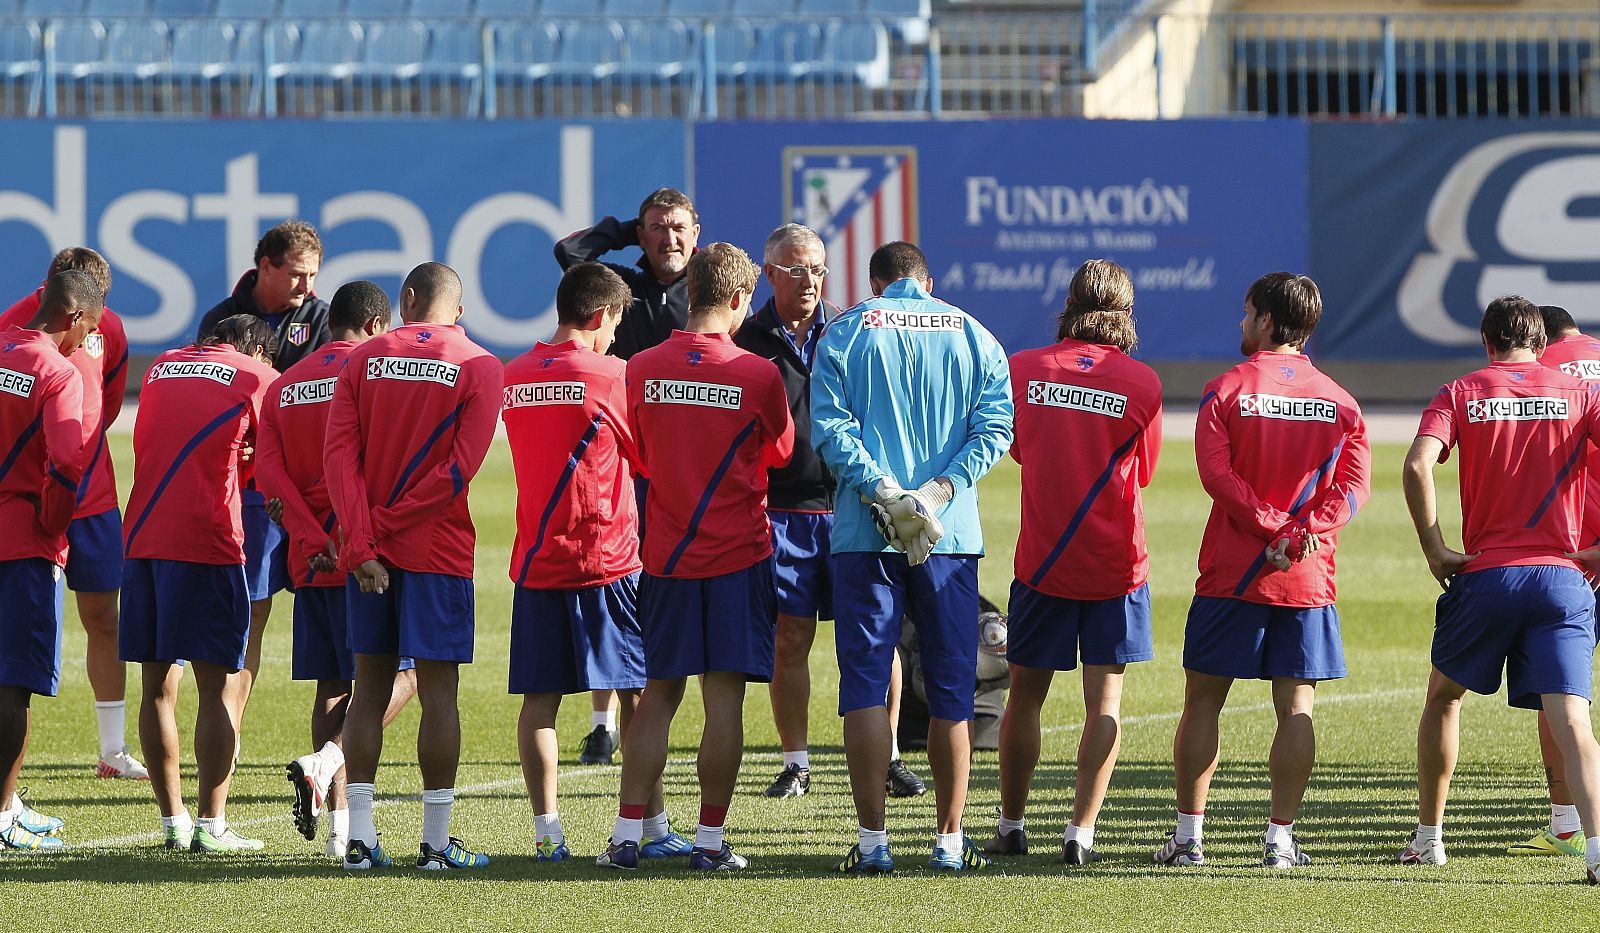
x: 1410, y: 228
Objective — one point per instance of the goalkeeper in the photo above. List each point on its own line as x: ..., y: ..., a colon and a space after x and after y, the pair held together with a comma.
x: 910, y: 405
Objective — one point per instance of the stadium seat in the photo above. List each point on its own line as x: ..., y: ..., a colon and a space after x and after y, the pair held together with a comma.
x: 832, y: 7
x: 507, y: 9
x: 205, y: 49
x: 907, y: 17
x: 525, y: 51
x: 785, y: 51
x: 733, y: 45
x: 376, y: 9
x: 19, y: 52
x: 174, y: 8
x: 457, y: 46
x: 569, y: 9
x: 441, y: 8
x: 857, y: 50
x: 591, y: 50
x: 80, y: 47
x: 329, y: 50
x: 699, y: 8
x: 246, y: 9
x: 621, y: 9
x: 119, y: 7
x: 309, y: 9
x: 136, y: 48
x: 660, y: 51
x: 394, y: 49
x: 52, y: 7
x: 767, y: 8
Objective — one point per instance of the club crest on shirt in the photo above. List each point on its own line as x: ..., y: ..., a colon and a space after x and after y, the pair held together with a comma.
x: 1583, y: 369
x: 912, y: 320
x: 1287, y: 372
x: 193, y: 369
x: 406, y: 369
x: 1284, y: 408
x: 529, y: 394
x: 15, y: 383
x: 299, y: 333
x: 545, y: 363
x: 1078, y: 398
x: 10, y: 347
x: 95, y: 345
x: 328, y: 358
x: 311, y: 392
x: 680, y: 392
x: 1085, y: 363
x: 1534, y: 408
x: 694, y: 357
x: 423, y: 336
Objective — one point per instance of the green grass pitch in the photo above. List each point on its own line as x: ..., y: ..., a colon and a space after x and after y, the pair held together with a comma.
x: 1357, y: 812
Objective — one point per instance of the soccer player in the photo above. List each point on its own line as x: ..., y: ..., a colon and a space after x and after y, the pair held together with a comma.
x: 412, y: 417
x: 1576, y: 354
x: 94, y: 560
x: 41, y: 425
x: 279, y: 291
x: 183, y: 588
x: 1088, y: 434
x: 709, y: 420
x: 289, y: 467
x: 575, y: 616
x: 1514, y: 597
x: 910, y: 406
x: 1283, y: 452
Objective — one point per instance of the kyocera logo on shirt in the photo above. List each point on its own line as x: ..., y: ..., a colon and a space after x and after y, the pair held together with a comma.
x: 1285, y: 408
x: 313, y: 392
x: 1583, y: 369
x: 1078, y: 398
x: 407, y: 369
x: 528, y: 394
x: 911, y: 320
x: 679, y: 392
x: 18, y: 384
x: 1536, y: 408
x: 216, y: 372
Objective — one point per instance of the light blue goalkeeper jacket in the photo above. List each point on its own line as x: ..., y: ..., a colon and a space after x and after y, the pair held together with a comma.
x: 910, y: 388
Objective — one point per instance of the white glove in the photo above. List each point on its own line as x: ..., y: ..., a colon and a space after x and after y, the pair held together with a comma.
x: 885, y: 492
x: 907, y: 519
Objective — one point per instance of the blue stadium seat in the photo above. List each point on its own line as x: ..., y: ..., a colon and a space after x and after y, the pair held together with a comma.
x: 376, y: 9
x: 308, y: 9
x: 456, y: 49
x: 569, y: 8
x: 136, y: 48
x: 857, y: 50
x: 329, y: 51
x: 589, y: 49
x: 80, y: 47
x: 52, y: 7
x: 119, y: 7
x: 786, y: 51
x: 907, y: 17
x: 394, y: 48
x: 19, y: 51
x: 441, y: 8
x: 767, y: 8
x: 622, y: 9
x: 699, y: 8
x: 660, y: 51
x: 733, y: 45
x: 246, y: 9
x: 525, y: 50
x: 832, y: 7
x: 205, y: 49
x: 507, y: 9
x: 195, y: 8
x: 284, y: 37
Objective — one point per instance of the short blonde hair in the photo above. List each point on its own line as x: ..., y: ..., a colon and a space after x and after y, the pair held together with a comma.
x: 716, y: 272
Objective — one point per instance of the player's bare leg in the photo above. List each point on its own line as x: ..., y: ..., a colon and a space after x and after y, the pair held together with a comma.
x: 108, y: 676
x: 1020, y: 737
x: 158, y: 733
x: 1294, y: 747
x: 1438, y: 744
x: 328, y: 711
x: 866, y: 746
x: 439, y: 735
x: 1555, y: 770
x: 627, y: 708
x: 536, y: 745
x: 1570, y: 727
x: 950, y: 757
x: 14, y: 721
x: 721, y: 747
x: 363, y: 723
x: 902, y: 781
x: 1101, y: 741
x: 216, y: 732
x: 1197, y: 744
x: 644, y: 749
x: 791, y: 680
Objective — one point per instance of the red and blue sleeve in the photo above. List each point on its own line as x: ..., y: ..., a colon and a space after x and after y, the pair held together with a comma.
x: 63, y: 443
x: 1213, y: 452
x: 341, y: 464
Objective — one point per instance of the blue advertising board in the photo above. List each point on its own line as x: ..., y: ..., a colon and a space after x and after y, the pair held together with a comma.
x: 177, y: 207
x: 1006, y: 210
x: 1418, y: 226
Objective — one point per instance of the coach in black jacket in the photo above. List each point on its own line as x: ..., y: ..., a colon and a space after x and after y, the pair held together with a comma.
x: 279, y: 291
x: 667, y: 230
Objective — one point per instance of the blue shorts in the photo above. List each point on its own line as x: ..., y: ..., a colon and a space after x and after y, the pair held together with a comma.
x: 1049, y: 632
x: 1536, y: 622
x: 266, y: 549
x: 873, y: 593
x: 322, y: 636
x: 721, y: 623
x: 422, y: 615
x: 574, y: 641
x: 1228, y: 637
x: 175, y: 609
x: 30, y: 625
x: 803, y: 566
x: 94, y: 555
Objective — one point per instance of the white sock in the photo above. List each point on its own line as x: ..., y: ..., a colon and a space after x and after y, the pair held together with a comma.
x: 801, y: 758
x: 215, y: 825
x: 332, y: 757
x: 1279, y: 834
x: 1564, y: 819
x: 181, y: 819
x: 1009, y: 826
x: 1427, y: 834
x: 359, y: 797
x: 872, y: 838
x: 1591, y: 850
x: 112, y: 719
x: 655, y: 827
x: 339, y: 824
x: 16, y: 804
x: 894, y: 748
x: 627, y: 830
x: 9, y: 816
x: 548, y: 826
x: 436, y: 806
x: 1082, y: 835
x: 708, y: 838
x: 607, y: 718
x: 1190, y: 826
x: 949, y: 842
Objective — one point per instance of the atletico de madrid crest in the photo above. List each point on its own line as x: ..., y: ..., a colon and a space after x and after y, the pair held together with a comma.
x: 95, y: 345
x: 856, y: 198
x: 299, y: 333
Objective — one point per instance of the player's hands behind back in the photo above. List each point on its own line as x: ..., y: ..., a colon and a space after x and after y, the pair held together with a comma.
x: 906, y: 519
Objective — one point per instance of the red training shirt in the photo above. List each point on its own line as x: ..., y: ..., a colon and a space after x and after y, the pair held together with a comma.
x: 565, y: 409
x: 294, y: 420
x: 1279, y: 445
x: 1088, y: 434
x: 1524, y: 430
x: 197, y: 408
x: 412, y: 418
x: 1579, y: 355
x: 103, y: 361
x: 42, y: 432
x: 710, y: 420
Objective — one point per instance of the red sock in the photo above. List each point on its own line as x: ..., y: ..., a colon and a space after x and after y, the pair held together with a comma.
x: 631, y: 811
x: 712, y: 816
